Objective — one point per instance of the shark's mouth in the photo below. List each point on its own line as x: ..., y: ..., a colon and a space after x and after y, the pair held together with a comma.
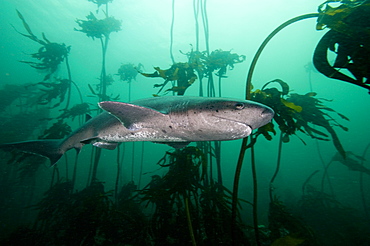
x: 240, y: 122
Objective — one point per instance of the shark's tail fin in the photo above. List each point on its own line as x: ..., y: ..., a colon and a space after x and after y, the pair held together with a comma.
x: 49, y: 148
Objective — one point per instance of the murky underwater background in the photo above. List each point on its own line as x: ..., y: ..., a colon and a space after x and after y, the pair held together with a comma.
x: 317, y: 197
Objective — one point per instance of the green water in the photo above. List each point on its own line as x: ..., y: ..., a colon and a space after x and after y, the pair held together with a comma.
x: 330, y: 208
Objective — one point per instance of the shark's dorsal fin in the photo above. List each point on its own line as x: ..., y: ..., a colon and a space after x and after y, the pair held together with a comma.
x: 129, y: 114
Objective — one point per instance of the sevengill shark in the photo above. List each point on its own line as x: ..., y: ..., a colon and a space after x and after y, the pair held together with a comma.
x: 172, y: 120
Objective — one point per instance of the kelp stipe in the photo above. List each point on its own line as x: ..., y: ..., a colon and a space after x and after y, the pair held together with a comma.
x: 244, y: 145
x: 100, y: 29
x: 190, y: 207
x: 51, y: 55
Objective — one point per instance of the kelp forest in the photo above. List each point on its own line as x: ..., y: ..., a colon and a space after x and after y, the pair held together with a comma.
x: 207, y: 193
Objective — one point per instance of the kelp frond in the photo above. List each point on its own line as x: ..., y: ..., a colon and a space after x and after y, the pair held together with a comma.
x: 97, y: 28
x: 50, y: 54
x: 295, y: 112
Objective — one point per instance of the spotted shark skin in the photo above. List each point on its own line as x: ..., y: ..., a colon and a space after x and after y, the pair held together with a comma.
x: 172, y: 120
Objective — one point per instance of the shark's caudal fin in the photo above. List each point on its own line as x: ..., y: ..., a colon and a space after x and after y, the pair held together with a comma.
x: 49, y: 148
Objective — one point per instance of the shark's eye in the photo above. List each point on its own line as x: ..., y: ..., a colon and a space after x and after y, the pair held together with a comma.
x: 239, y: 105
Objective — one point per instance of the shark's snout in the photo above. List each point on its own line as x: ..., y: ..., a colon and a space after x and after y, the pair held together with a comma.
x: 264, y: 115
x: 268, y: 113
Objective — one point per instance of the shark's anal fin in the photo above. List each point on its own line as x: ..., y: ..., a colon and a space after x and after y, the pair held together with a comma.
x: 176, y: 145
x: 129, y: 114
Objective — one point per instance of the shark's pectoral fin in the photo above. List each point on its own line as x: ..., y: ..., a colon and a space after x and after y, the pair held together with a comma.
x: 106, y: 145
x: 129, y: 114
x: 176, y: 145
x: 99, y: 143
